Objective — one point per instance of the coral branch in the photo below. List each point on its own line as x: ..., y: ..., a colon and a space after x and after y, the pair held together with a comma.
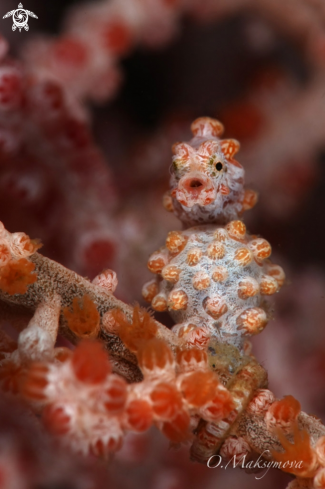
x: 53, y: 278
x: 253, y: 428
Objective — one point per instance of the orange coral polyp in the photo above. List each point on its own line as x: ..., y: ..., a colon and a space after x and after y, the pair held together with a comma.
x: 5, y: 255
x: 155, y: 354
x: 139, y: 415
x: 199, y: 387
x: 35, y: 382
x: 177, y: 430
x: 286, y: 410
x: 298, y: 451
x: 103, y: 449
x: 115, y: 394
x: 90, y: 363
x: 56, y: 419
x: 16, y: 276
x: 166, y: 401
x: 191, y: 355
x: 220, y: 406
x: 142, y: 328
x: 30, y: 245
x: 84, y: 318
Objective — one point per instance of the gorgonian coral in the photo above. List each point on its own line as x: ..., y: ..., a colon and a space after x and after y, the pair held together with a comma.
x: 198, y: 384
x: 92, y: 408
x: 214, y: 279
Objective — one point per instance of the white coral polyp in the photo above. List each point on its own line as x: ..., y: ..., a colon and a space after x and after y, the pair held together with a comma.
x: 107, y: 279
x: 18, y: 245
x: 235, y: 446
x: 261, y: 402
x: 35, y: 344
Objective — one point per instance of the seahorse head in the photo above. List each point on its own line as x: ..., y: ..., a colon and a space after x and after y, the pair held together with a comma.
x: 207, y: 183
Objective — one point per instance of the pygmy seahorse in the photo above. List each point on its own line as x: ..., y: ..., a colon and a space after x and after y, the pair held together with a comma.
x: 213, y: 277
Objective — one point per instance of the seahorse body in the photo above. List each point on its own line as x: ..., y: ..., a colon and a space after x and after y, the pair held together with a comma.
x: 213, y: 278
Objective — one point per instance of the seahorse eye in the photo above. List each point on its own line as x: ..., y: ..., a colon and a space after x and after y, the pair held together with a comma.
x: 219, y: 166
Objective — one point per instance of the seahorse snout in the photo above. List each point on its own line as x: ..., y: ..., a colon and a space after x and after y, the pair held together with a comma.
x: 195, y: 188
